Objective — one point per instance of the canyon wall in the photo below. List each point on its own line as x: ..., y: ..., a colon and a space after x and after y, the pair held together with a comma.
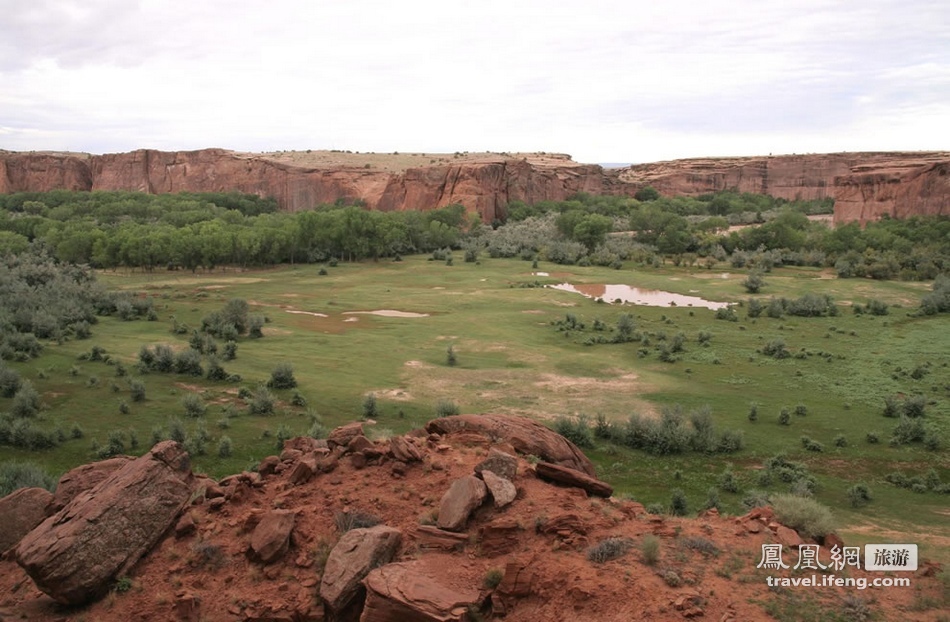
x: 485, y: 186
x: 865, y: 186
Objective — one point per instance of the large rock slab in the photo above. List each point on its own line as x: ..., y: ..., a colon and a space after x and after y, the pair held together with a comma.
x: 464, y: 495
x: 526, y: 435
x: 83, y: 478
x: 20, y: 512
x: 271, y: 537
x: 404, y: 591
x: 357, y: 553
x: 500, y: 463
x: 74, y: 555
x: 571, y: 477
x: 344, y: 434
x: 502, y: 490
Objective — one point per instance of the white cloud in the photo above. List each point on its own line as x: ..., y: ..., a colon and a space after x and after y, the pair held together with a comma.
x: 605, y: 81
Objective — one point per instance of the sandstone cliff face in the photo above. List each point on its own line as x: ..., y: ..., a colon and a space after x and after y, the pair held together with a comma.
x: 484, y: 187
x: 864, y: 185
x: 795, y: 177
x: 896, y: 188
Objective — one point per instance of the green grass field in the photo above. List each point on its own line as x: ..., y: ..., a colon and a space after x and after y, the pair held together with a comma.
x: 512, y: 360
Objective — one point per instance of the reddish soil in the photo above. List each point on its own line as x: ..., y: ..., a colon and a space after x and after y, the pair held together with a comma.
x: 211, y: 567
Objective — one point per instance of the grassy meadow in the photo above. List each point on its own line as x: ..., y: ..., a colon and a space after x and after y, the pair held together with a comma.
x: 512, y: 359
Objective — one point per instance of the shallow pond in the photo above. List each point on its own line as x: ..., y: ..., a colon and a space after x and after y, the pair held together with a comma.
x: 616, y: 293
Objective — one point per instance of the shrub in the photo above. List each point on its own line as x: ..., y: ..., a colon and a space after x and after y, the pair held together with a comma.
x: 225, y: 447
x: 164, y: 359
x: 176, y: 430
x: 859, y: 495
x: 806, y: 516
x: 370, y: 408
x: 26, y: 401
x: 873, y: 437
x: 446, y: 408
x: 215, y: 371
x: 282, y: 377
x: 15, y: 475
x: 776, y: 349
x: 753, y: 412
x: 908, y: 431
x: 914, y: 406
x: 188, y: 362
x: 727, y: 313
x: 575, y: 430
x: 678, y: 503
x: 194, y: 406
x: 784, y: 417
x: 137, y: 390
x: 727, y: 480
x: 801, y: 410
x: 754, y: 282
x: 650, y: 549
x: 298, y: 400
x: 229, y: 352
x: 255, y: 328
x: 608, y: 549
x: 812, y: 445
x: 76, y: 431
x: 261, y: 402
x: 9, y: 381
x: 451, y: 359
x: 841, y: 441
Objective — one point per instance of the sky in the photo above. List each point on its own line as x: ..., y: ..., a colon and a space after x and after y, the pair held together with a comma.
x: 605, y: 81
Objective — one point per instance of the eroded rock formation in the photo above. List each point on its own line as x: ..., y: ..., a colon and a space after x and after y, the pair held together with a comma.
x: 866, y: 185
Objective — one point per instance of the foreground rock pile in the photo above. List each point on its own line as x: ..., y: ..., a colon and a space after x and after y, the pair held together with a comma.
x: 473, y: 518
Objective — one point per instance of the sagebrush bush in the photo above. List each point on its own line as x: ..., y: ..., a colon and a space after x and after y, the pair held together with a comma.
x: 15, y: 475
x: 346, y: 521
x: 446, y: 408
x: 608, y: 549
x: 806, y: 516
x: 282, y: 377
x: 650, y: 549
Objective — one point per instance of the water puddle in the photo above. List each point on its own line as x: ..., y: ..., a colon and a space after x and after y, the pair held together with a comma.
x: 634, y: 295
x: 313, y: 313
x: 387, y: 313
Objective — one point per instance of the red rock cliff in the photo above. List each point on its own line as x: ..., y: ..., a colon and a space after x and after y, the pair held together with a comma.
x: 484, y: 186
x: 898, y: 187
x: 864, y: 185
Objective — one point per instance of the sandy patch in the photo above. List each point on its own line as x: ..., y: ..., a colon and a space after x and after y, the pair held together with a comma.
x: 880, y: 533
x: 212, y: 287
x: 190, y: 387
x: 398, y: 395
x: 313, y: 313
x: 352, y: 319
x: 534, y: 311
x: 388, y: 313
x: 415, y: 364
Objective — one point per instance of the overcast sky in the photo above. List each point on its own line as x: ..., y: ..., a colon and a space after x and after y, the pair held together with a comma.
x: 603, y: 80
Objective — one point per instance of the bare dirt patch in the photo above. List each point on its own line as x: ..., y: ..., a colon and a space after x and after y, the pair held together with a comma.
x: 398, y: 395
x: 388, y: 313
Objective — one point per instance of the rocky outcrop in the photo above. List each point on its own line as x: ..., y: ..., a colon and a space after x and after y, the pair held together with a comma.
x: 572, y: 477
x: 20, y: 512
x: 527, y: 436
x: 357, y: 553
x: 404, y: 591
x: 74, y: 554
x: 498, y: 462
x: 463, y: 496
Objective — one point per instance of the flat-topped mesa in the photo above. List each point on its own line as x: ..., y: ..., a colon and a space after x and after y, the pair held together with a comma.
x: 864, y: 185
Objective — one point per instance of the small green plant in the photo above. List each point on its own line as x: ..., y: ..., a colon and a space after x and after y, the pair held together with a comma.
x: 493, y: 578
x: 841, y: 440
x: 370, y: 407
x: 753, y: 412
x: 678, y: 503
x: 446, y: 408
x: 122, y: 585
x: 137, y: 390
x: 784, y: 417
x: 451, y: 359
x: 225, y: 447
